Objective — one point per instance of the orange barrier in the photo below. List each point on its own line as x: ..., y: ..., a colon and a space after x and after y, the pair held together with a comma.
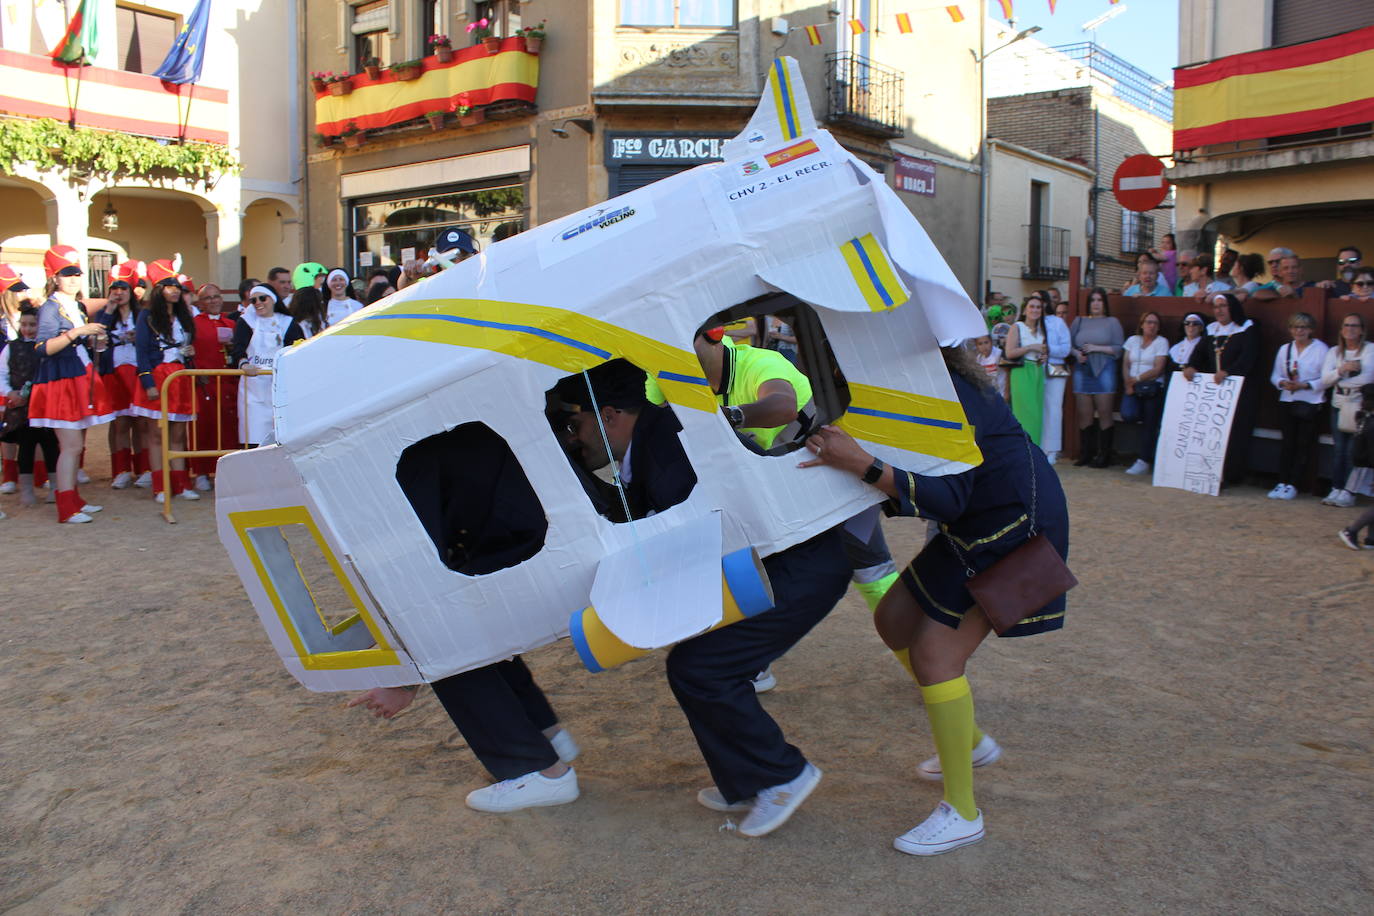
x: 164, y: 426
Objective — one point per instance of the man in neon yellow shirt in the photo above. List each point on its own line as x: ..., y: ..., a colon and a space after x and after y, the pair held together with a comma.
x: 760, y: 392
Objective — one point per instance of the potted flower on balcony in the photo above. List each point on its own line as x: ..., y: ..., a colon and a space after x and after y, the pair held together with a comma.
x: 481, y: 33
x: 467, y: 115
x: 353, y: 135
x: 320, y: 79
x: 534, y: 36
x: 441, y: 47
x: 373, y: 67
x: 407, y: 70
x: 340, y: 84
x: 324, y: 141
x: 435, y: 119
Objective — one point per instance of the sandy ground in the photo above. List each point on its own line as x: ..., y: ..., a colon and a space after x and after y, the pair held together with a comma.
x: 1197, y: 740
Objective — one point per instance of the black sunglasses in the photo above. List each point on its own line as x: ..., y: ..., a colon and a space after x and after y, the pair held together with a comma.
x: 1347, y: 260
x: 1198, y: 323
x: 1363, y: 283
x: 256, y: 299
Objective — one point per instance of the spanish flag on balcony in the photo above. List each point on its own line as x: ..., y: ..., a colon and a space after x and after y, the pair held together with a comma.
x: 1312, y: 86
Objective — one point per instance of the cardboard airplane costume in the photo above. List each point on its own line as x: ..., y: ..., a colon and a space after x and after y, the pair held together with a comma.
x: 339, y: 566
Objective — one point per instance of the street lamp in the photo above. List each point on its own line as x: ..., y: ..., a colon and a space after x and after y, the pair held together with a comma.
x: 978, y: 60
x: 109, y: 220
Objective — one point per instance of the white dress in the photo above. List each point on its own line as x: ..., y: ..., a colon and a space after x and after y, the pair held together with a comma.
x: 255, y: 391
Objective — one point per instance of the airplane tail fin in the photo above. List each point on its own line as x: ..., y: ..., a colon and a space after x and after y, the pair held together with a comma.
x: 784, y: 112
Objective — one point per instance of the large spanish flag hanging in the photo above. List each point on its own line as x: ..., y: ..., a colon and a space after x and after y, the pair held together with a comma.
x: 1312, y: 86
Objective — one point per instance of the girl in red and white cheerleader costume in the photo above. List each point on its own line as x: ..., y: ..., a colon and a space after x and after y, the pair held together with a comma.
x: 67, y: 396
x: 119, y: 376
x: 164, y: 342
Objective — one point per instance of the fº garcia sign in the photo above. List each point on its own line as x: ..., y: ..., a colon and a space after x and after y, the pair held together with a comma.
x: 663, y: 149
x: 914, y: 176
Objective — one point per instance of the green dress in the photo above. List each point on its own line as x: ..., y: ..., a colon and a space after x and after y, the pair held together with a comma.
x: 1028, y: 385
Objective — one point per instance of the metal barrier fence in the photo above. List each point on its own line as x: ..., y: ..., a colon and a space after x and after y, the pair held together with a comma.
x: 164, y: 427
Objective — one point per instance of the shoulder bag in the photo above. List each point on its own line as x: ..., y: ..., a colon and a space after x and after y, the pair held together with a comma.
x: 1023, y: 581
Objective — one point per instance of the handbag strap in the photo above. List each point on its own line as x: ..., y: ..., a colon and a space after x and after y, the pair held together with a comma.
x: 1030, y: 462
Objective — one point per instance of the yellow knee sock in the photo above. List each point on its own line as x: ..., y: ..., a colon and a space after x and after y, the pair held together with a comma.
x: 872, y: 593
x: 950, y: 707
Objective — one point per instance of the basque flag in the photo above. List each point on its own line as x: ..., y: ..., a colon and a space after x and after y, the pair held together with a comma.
x: 186, y: 59
x: 81, y: 41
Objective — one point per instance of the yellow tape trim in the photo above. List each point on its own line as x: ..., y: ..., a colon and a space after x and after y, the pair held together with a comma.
x: 882, y: 268
x: 783, y: 99
x: 969, y: 545
x: 946, y: 691
x: 1276, y: 92
x: 380, y: 655
x: 947, y: 444
x: 649, y: 354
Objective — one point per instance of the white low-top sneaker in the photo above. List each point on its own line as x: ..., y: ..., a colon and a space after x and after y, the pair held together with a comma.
x: 1343, y: 499
x: 943, y: 831
x: 203, y: 483
x: 1276, y: 493
x: 82, y: 476
x: 1140, y: 467
x: 191, y: 495
x: 533, y: 790
x: 8, y: 487
x: 122, y: 481
x: 764, y: 681
x: 775, y: 805
x: 1348, y: 539
x: 160, y: 498
x: 564, y: 746
x: 91, y: 510
x: 987, y: 751
x: 1051, y: 457
x: 710, y: 797
x: 145, y: 480
x: 78, y: 518
x: 1289, y: 491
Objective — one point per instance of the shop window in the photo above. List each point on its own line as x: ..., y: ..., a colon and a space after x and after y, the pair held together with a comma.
x: 393, y: 231
x: 678, y: 13
x: 791, y: 328
x: 144, y: 38
x: 472, y: 497
x: 594, y: 417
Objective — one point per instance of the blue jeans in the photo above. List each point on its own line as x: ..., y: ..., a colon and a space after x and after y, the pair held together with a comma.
x: 1342, y: 445
x: 1148, y: 412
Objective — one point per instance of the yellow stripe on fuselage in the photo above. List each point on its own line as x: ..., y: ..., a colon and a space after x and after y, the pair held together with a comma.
x: 913, y: 422
x: 873, y: 273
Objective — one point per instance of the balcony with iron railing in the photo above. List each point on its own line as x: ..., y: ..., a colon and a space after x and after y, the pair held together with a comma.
x: 1047, y: 253
x: 864, y: 96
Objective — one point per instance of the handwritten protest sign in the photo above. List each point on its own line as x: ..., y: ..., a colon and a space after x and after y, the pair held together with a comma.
x: 1193, y: 435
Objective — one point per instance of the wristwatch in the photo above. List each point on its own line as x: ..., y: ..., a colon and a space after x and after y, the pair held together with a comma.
x: 734, y: 414
x: 875, y: 471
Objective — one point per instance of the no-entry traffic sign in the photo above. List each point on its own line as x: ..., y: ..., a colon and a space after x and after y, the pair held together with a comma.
x: 1139, y: 183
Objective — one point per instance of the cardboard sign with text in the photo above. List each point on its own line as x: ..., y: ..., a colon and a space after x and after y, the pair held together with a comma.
x: 1193, y: 434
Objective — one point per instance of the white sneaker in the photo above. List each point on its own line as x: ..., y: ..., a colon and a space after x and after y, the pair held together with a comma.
x: 987, y: 751
x: 775, y: 805
x: 1051, y: 457
x: 8, y: 487
x: 78, y: 518
x: 1343, y: 499
x: 1140, y: 467
x: 533, y: 790
x: 160, y: 498
x: 91, y: 510
x: 1289, y: 491
x: 1327, y: 499
x: 764, y: 681
x: 1276, y: 493
x: 203, y: 483
x: 191, y: 495
x: 82, y: 476
x: 944, y: 830
x: 1348, y: 539
x: 145, y: 480
x: 710, y: 797
x: 565, y: 746
x: 122, y: 480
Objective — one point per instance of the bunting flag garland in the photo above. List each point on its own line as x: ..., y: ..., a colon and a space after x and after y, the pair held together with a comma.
x: 857, y: 26
x: 813, y: 34
x: 955, y: 14
x: 1006, y: 9
x: 1052, y: 2
x: 81, y: 42
x: 904, y: 23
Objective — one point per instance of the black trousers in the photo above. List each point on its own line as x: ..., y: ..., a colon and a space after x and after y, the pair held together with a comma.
x: 30, y: 439
x: 711, y: 674
x: 501, y: 713
x: 1298, y: 427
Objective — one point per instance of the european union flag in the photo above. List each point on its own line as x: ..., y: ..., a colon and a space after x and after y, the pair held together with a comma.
x: 184, y: 62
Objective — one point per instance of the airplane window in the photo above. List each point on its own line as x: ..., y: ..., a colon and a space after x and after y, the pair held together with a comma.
x: 629, y: 424
x: 775, y: 336
x: 473, y: 499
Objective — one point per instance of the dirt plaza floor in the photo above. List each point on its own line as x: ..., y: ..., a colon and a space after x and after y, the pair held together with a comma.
x: 1197, y: 739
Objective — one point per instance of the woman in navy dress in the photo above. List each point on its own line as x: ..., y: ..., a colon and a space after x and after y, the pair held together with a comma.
x: 983, y: 514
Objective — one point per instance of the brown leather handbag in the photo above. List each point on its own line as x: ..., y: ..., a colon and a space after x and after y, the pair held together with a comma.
x: 1023, y: 581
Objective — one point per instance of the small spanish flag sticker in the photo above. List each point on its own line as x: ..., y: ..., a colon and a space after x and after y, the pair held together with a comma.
x: 857, y: 26
x: 955, y: 14
x: 813, y: 34
x: 904, y: 23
